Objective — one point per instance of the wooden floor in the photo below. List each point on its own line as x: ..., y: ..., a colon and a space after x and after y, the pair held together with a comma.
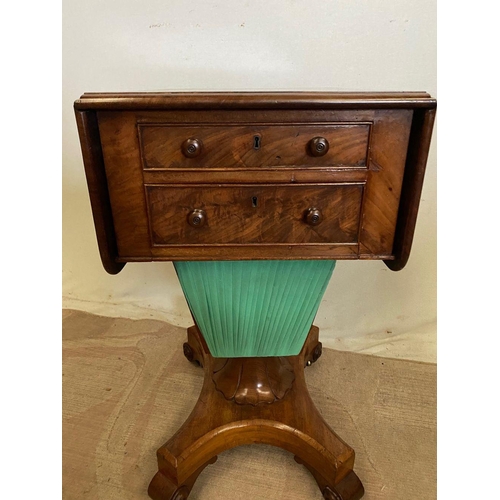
x: 127, y: 388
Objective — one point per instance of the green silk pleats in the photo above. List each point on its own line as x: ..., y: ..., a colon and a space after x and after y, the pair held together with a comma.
x: 254, y: 308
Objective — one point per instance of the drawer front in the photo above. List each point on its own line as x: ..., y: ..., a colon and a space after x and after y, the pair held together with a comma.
x: 254, y: 214
x: 253, y: 146
x: 147, y: 226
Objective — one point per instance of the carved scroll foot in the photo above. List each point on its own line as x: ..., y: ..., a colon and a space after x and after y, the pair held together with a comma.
x: 255, y: 400
x: 195, y: 349
x: 348, y: 488
x: 162, y: 487
x: 188, y: 352
x: 313, y: 348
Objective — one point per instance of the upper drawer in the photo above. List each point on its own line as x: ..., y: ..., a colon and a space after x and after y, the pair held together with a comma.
x: 253, y: 146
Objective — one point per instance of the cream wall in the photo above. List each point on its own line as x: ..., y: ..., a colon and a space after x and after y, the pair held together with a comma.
x: 253, y: 45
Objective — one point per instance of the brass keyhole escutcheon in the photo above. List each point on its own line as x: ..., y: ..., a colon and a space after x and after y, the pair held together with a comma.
x: 313, y: 216
x: 197, y: 218
x: 191, y: 148
x: 318, y: 146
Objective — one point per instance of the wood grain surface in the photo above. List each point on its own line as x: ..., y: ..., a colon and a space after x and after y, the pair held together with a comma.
x: 127, y: 387
x: 278, y: 412
x: 254, y: 100
x: 379, y: 139
x: 234, y: 147
x: 98, y: 189
x: 254, y: 213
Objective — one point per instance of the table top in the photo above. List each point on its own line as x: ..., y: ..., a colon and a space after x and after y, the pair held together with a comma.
x: 253, y: 100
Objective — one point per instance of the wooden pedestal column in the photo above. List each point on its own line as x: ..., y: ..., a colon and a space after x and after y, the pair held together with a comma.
x: 254, y: 400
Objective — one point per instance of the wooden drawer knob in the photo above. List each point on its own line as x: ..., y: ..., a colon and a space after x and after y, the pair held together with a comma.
x: 318, y: 146
x: 313, y: 217
x: 197, y: 218
x: 191, y: 147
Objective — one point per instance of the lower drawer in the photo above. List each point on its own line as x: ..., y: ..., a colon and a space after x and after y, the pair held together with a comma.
x: 254, y: 214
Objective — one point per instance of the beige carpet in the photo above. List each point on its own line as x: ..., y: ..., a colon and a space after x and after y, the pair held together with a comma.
x: 127, y: 388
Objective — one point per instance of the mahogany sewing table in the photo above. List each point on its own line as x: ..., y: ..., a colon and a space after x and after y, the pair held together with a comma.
x: 254, y: 196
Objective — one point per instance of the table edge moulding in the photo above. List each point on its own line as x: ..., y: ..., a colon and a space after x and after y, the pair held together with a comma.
x: 254, y: 196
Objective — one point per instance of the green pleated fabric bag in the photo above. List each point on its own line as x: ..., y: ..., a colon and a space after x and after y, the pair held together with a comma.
x: 254, y: 308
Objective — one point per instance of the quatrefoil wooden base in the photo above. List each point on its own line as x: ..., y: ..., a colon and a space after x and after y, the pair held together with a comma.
x: 254, y: 400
